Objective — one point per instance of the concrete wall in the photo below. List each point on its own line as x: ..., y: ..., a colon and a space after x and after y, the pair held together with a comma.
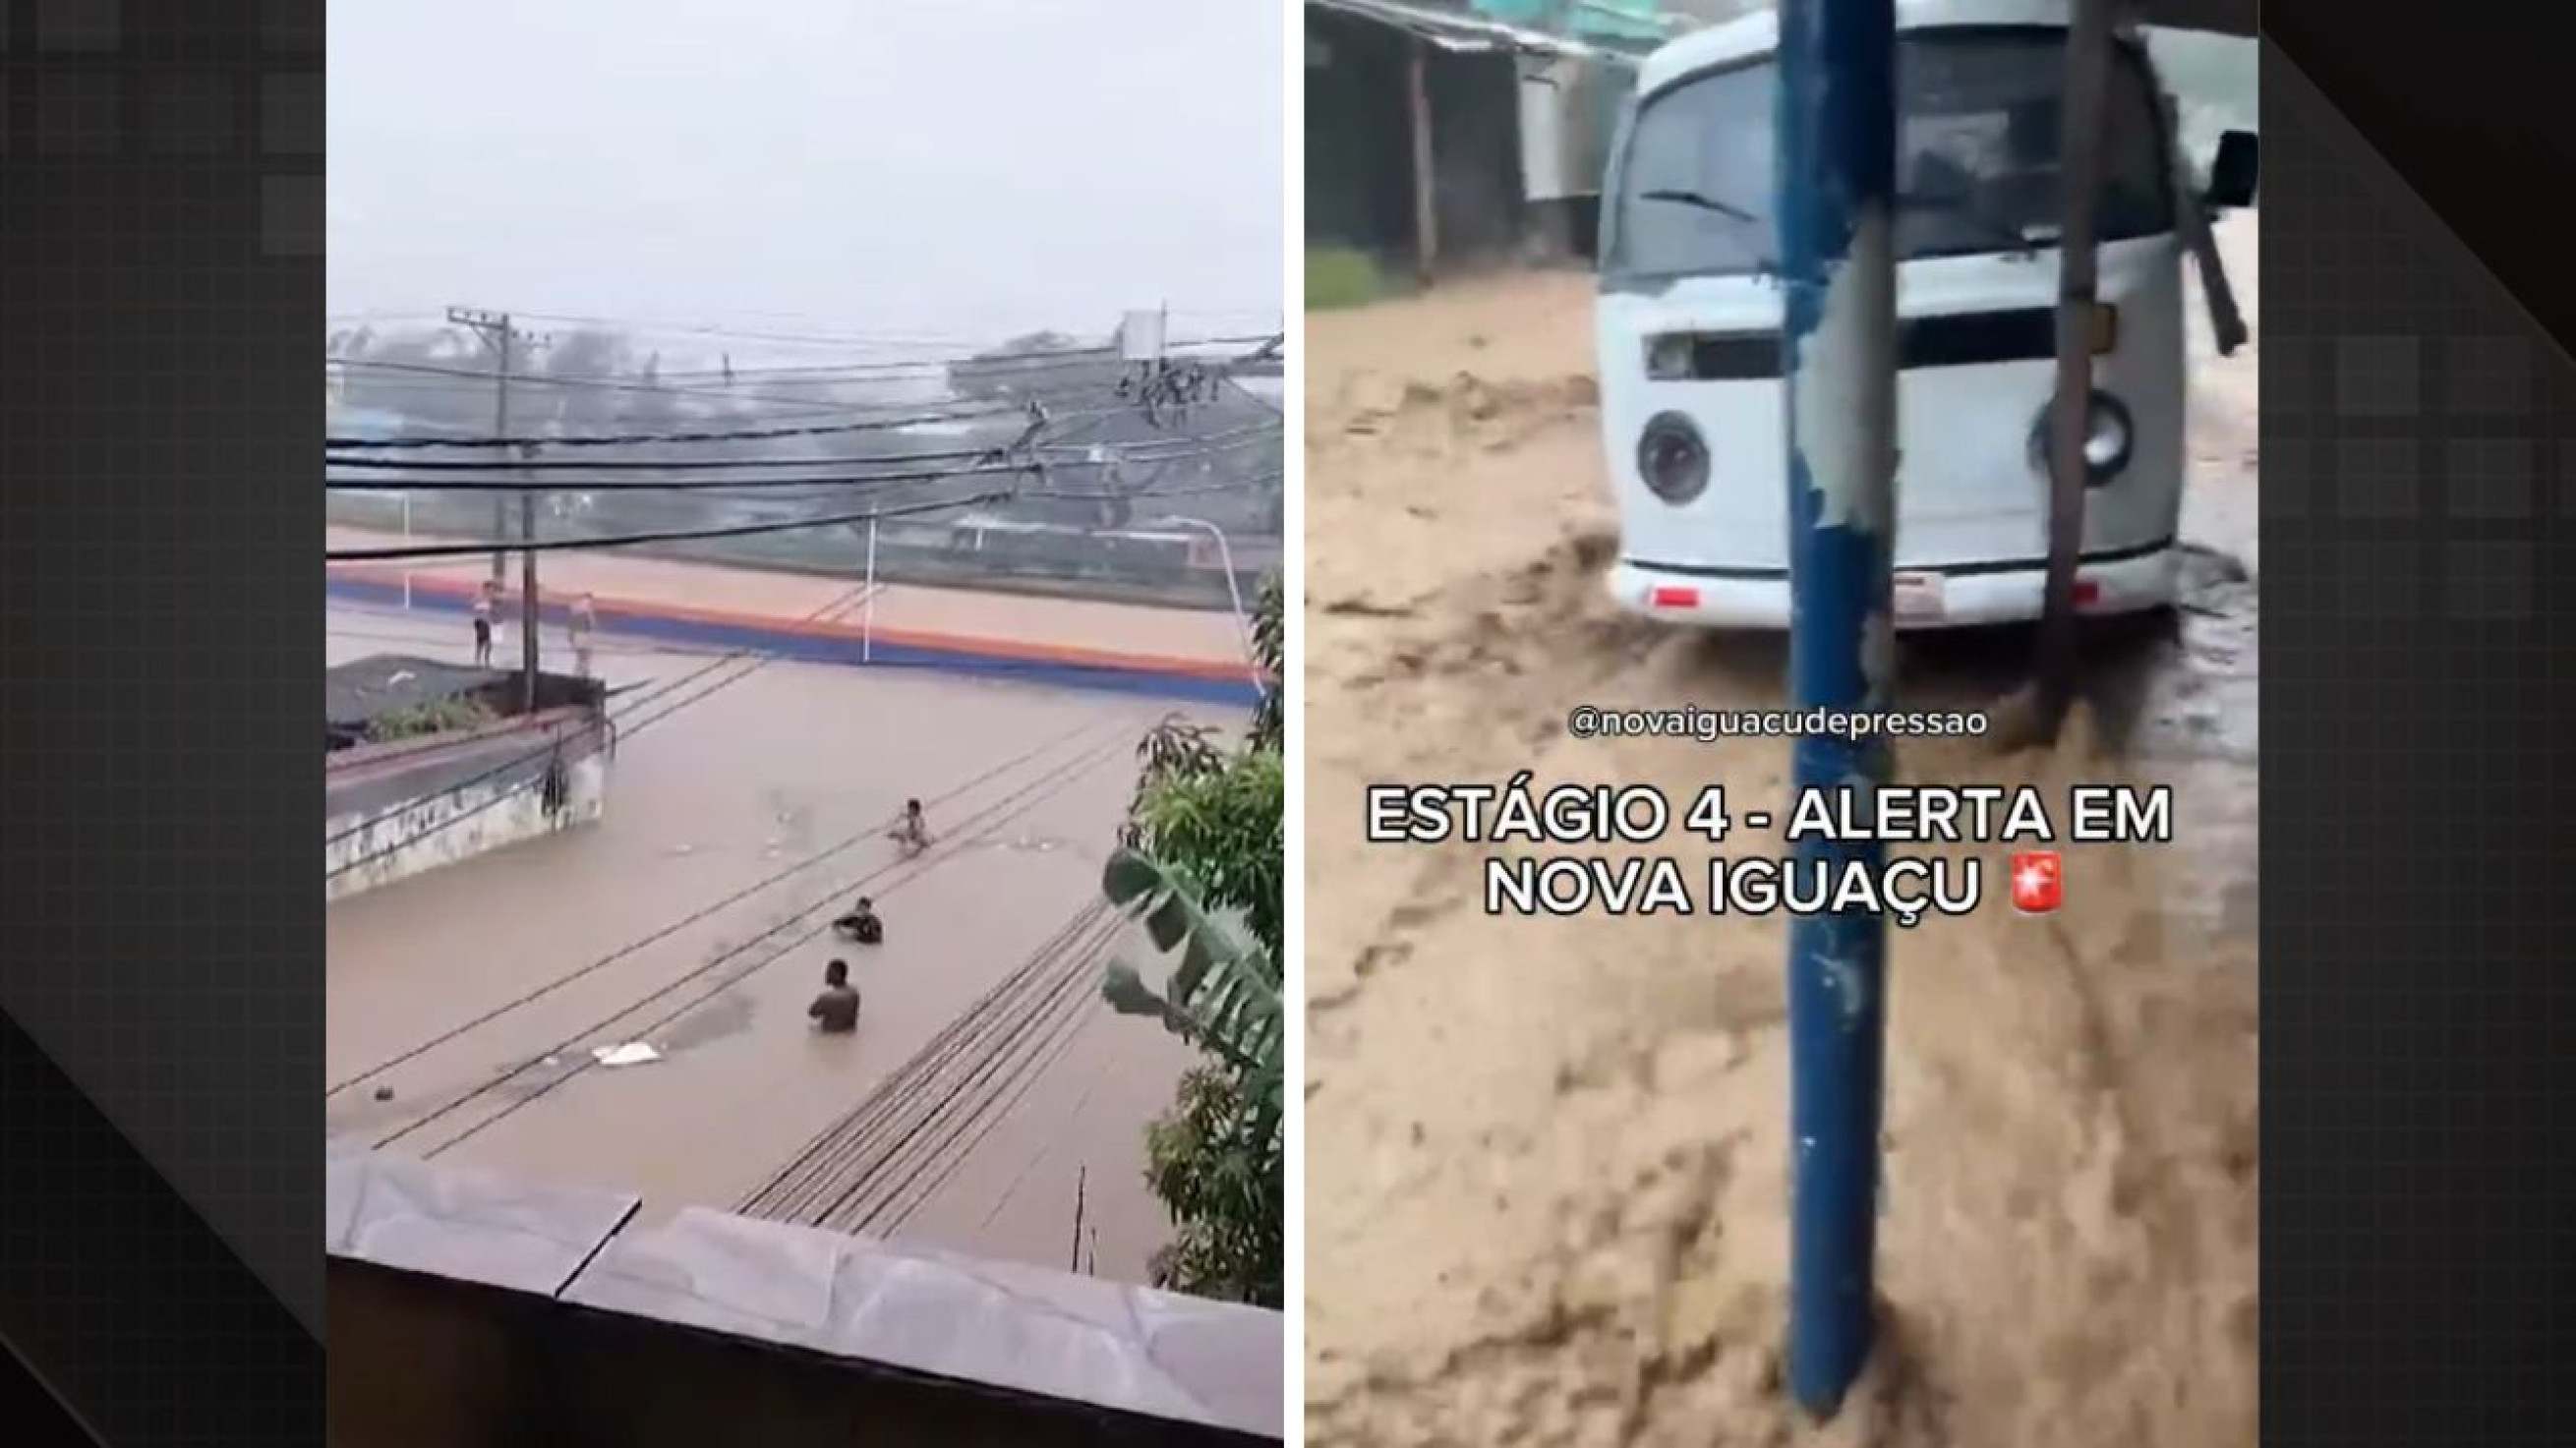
x: 468, y: 1306
x: 433, y: 1361
x: 392, y: 812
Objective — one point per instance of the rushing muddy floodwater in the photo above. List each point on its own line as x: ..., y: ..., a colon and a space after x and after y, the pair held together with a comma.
x: 1546, y: 1158
x: 725, y: 792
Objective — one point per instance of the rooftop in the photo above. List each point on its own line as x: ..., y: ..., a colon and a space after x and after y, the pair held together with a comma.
x: 865, y: 1303
x: 358, y: 693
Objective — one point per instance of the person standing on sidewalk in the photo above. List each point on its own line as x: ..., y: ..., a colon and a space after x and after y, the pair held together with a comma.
x: 585, y: 622
x: 483, y: 625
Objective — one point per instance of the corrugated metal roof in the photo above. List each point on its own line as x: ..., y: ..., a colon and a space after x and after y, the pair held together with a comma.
x: 1458, y: 31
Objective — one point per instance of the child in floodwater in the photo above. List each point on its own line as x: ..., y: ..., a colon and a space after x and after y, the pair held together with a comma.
x: 836, y: 1010
x: 913, y: 830
x: 861, y: 924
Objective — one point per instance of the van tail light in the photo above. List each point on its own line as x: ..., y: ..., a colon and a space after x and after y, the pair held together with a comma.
x: 2087, y: 593
x: 1669, y: 596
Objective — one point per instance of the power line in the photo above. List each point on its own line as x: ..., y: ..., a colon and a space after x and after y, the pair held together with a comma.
x: 1192, y: 490
x: 1181, y: 449
x: 1071, y: 1027
x: 981, y: 365
x: 628, y: 439
x: 666, y: 931
x: 939, y: 1128
x: 983, y: 369
x: 1008, y: 807
x: 516, y: 465
x: 758, y: 659
x: 667, y: 485
x: 425, y: 639
x: 1006, y: 366
x: 670, y: 535
x: 830, y: 1165
x: 1020, y: 410
x: 742, y: 486
x: 848, y: 339
x: 1072, y: 1114
x: 797, y: 1184
x: 662, y: 329
x: 846, y: 600
x: 1181, y: 446
x: 1046, y: 1029
x: 602, y: 384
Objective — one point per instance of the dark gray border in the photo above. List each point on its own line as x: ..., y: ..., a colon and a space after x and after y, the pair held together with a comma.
x: 160, y: 623
x: 2417, y: 839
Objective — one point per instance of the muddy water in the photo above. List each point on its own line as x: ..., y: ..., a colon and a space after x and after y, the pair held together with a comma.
x: 726, y: 792
x: 1546, y: 1158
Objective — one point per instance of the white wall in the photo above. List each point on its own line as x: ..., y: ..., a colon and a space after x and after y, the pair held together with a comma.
x: 405, y: 841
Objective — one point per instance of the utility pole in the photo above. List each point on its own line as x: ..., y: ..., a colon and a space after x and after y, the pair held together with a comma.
x: 494, y: 330
x: 1081, y: 1180
x: 500, y: 336
x: 2088, y: 63
x: 1426, y: 211
x: 1835, y: 182
x: 528, y: 610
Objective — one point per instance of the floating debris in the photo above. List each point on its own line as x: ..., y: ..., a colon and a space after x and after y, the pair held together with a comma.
x: 631, y: 1053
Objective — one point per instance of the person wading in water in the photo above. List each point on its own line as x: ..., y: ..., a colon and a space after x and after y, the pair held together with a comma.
x: 913, y: 830
x: 836, y: 1010
x: 861, y: 924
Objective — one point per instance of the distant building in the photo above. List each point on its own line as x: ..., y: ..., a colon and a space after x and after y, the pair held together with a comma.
x: 1514, y: 102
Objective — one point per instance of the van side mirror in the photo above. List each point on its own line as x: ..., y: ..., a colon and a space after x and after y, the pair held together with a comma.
x: 2233, y: 174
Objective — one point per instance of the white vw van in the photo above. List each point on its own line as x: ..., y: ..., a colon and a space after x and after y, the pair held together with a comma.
x: 1690, y: 308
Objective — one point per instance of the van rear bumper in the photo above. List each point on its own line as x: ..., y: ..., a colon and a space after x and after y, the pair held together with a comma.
x: 2126, y: 580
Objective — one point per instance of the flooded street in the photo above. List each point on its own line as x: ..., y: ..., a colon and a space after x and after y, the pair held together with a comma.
x: 1547, y: 1156
x: 1023, y: 787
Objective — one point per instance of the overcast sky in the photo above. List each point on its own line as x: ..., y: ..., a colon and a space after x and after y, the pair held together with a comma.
x: 939, y: 169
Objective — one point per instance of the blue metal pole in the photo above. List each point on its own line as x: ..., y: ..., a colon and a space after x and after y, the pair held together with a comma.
x: 1836, y: 123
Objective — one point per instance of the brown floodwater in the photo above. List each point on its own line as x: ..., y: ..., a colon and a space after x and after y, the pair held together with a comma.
x: 725, y: 792
x: 1546, y: 1158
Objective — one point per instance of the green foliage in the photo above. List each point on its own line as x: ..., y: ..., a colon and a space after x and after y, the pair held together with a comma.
x: 1223, y: 992
x: 439, y: 716
x: 1340, y: 277
x: 1220, y: 1181
x: 1172, y: 749
x: 1270, y: 651
x: 1221, y: 831
x: 1214, y: 1159
x: 1203, y: 849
